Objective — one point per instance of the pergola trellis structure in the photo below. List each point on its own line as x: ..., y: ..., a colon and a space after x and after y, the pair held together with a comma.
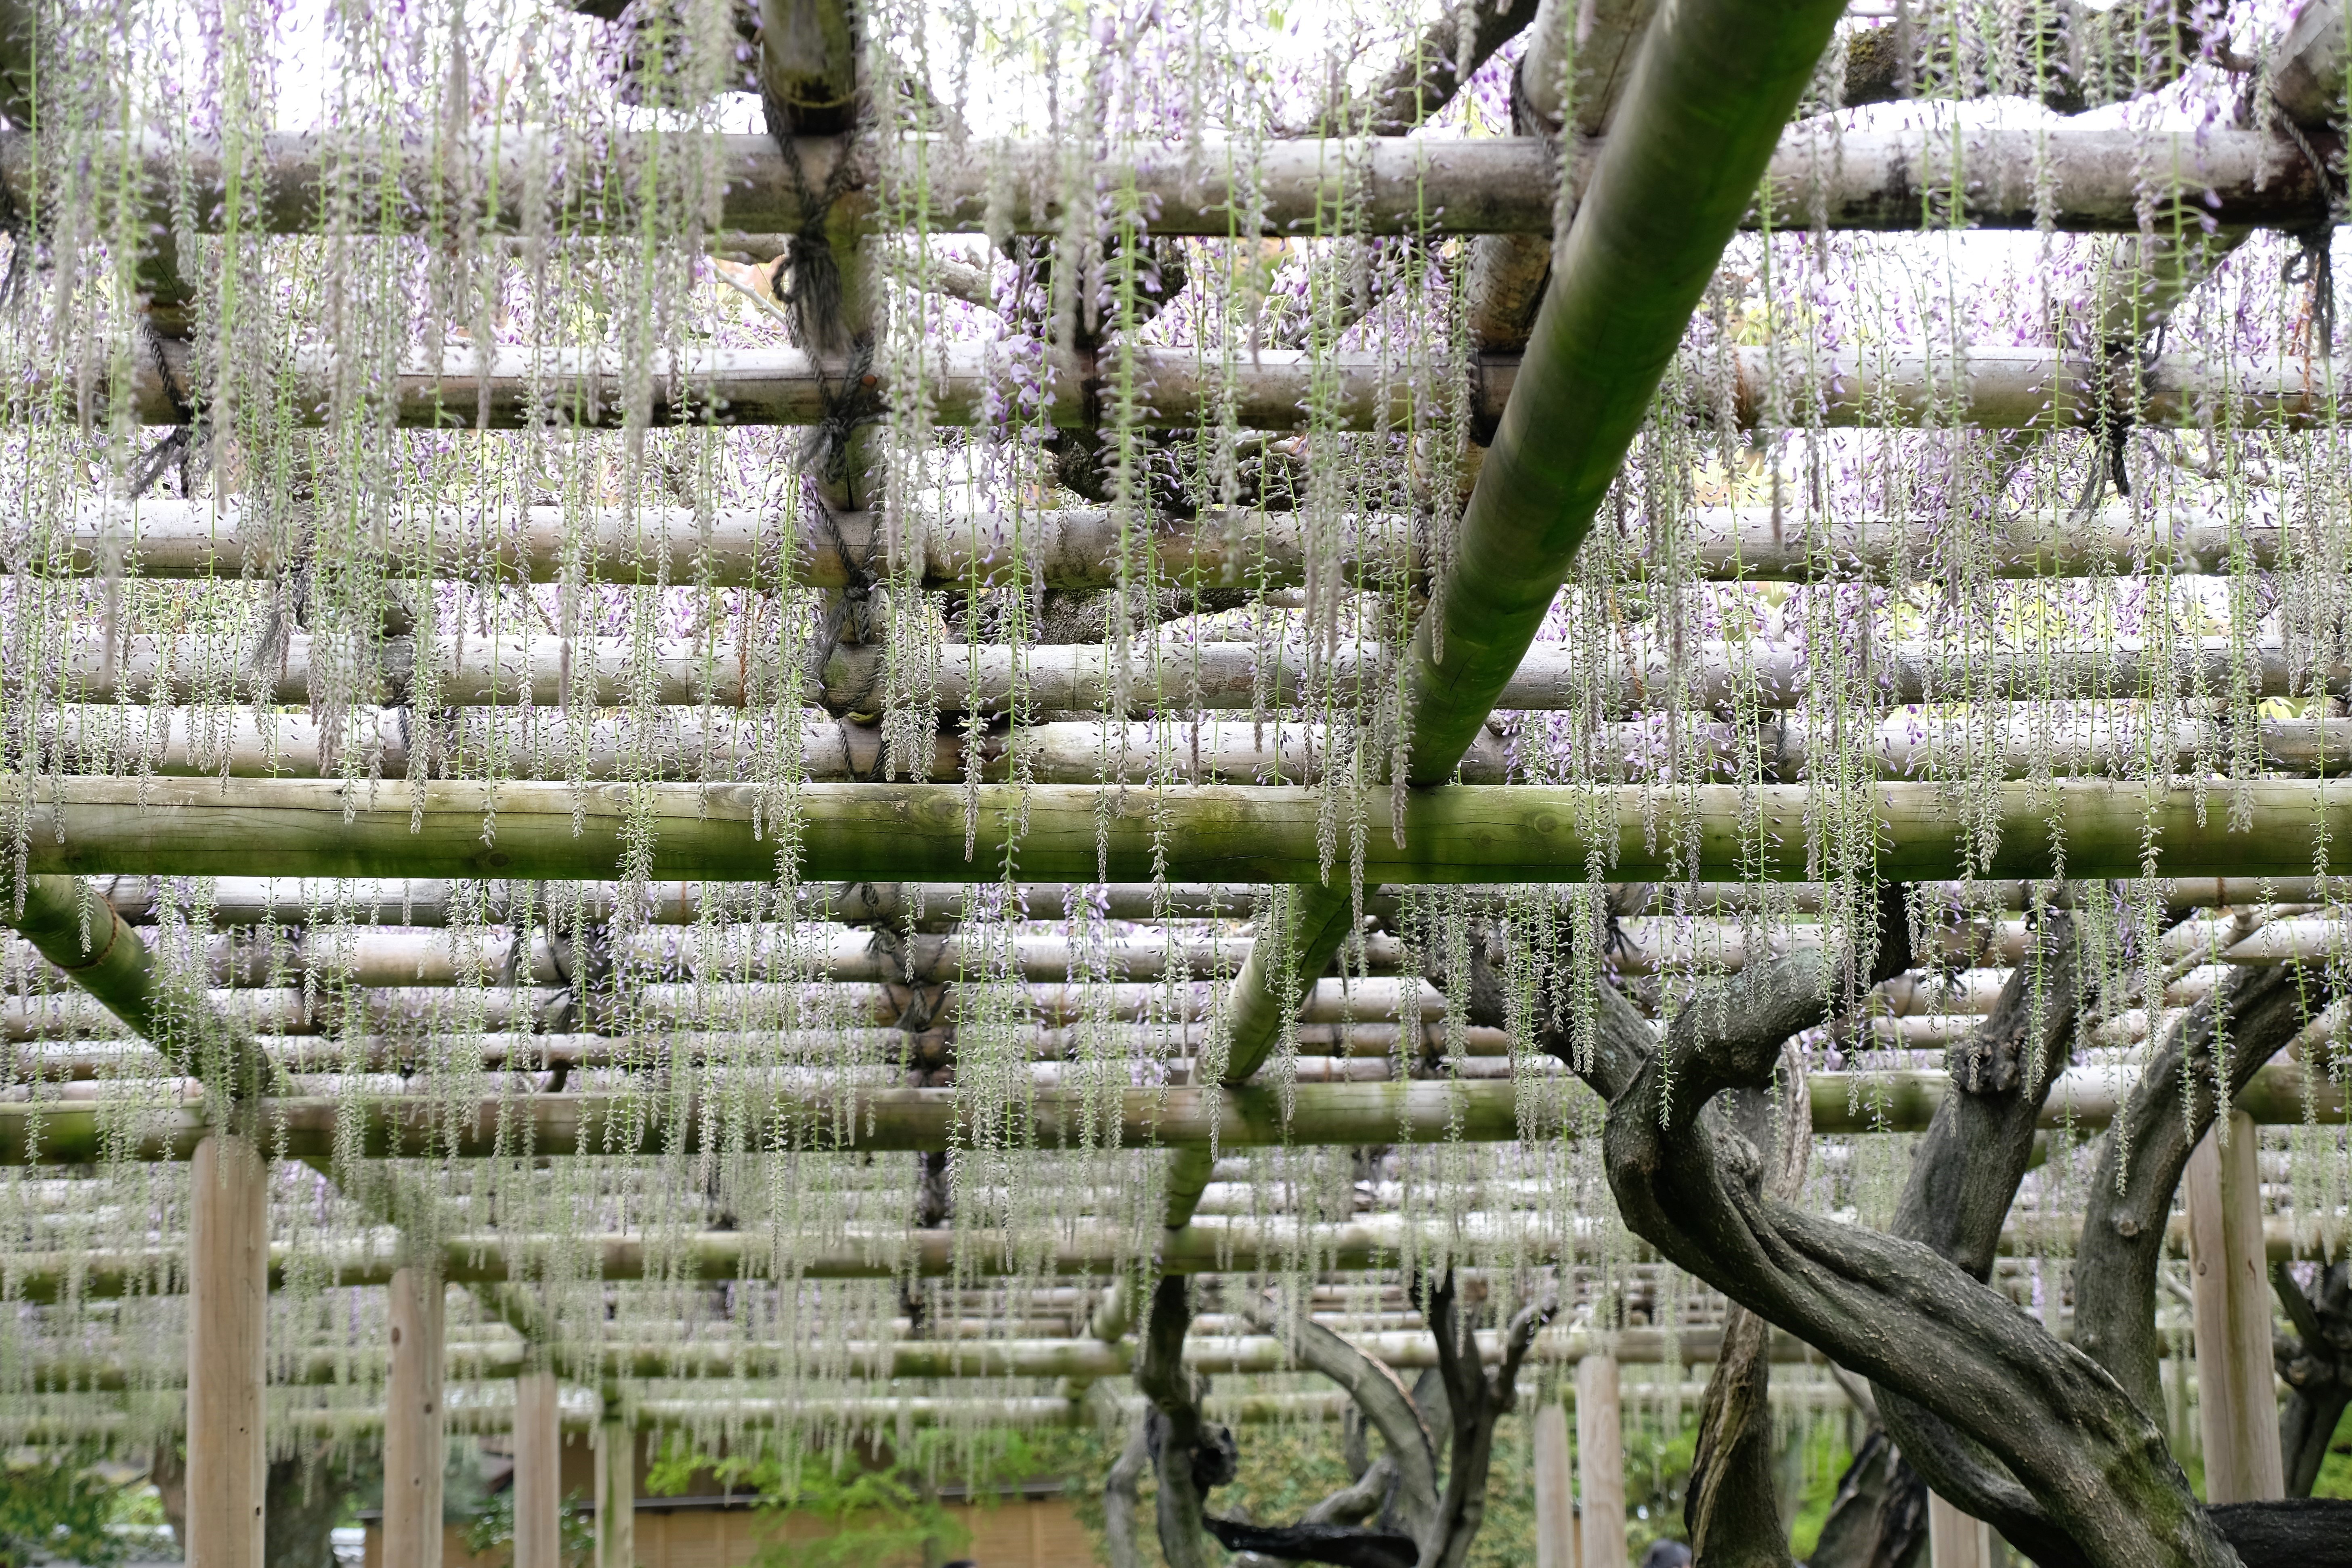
x: 1381, y: 745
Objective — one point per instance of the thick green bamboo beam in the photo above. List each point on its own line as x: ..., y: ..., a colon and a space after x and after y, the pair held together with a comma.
x: 1205, y: 834
x: 74, y: 927
x: 932, y: 1359
x: 754, y: 1116
x: 72, y: 924
x: 1206, y: 1246
x: 2075, y: 178
x: 1712, y: 86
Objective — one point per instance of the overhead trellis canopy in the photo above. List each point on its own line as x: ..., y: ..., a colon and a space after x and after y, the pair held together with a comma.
x: 834, y: 715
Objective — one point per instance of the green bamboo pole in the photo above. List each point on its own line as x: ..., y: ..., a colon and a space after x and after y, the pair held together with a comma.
x: 2092, y: 179
x: 84, y: 1132
x: 1206, y: 833
x: 1208, y: 1245
x: 1711, y: 86
x: 73, y: 926
x: 935, y: 1359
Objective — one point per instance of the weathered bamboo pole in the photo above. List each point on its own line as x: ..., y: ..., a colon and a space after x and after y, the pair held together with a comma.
x: 108, y: 717
x: 1504, y: 278
x: 751, y: 952
x: 616, y: 1491
x: 1708, y: 99
x: 2120, y: 737
x: 1520, y: 833
x: 653, y: 1008
x: 939, y: 1359
x: 538, y: 1471
x: 229, y: 1312
x: 414, y: 1447
x: 2230, y: 1296
x: 1080, y: 548
x: 911, y: 907
x: 935, y: 907
x: 1601, y: 1461
x: 1557, y: 1542
x: 1995, y: 389
x: 758, y: 1114
x: 749, y: 955
x: 2076, y: 178
x: 1206, y: 1246
x: 56, y: 1048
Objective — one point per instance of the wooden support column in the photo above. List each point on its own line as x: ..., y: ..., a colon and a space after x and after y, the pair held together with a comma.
x: 1600, y: 1462
x: 616, y: 1492
x: 1556, y: 1543
x: 1957, y: 1539
x: 538, y: 1485
x: 228, y: 1306
x: 413, y: 1447
x: 2230, y: 1290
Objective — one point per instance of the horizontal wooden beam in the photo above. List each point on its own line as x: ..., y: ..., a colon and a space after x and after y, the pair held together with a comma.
x: 1208, y: 1245
x: 524, y: 387
x: 2074, y: 177
x: 103, y: 701
x: 691, y: 744
x: 755, y: 1116
x: 1083, y: 547
x: 1234, y: 834
x: 936, y: 907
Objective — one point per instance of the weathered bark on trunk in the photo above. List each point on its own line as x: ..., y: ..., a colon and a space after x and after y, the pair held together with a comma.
x: 1474, y: 1400
x: 1433, y: 69
x: 1879, y: 1516
x: 1732, y: 1511
x: 2256, y: 1012
x: 1964, y: 1176
x: 2093, y: 1467
x: 2069, y: 55
x: 1121, y: 1496
x: 1189, y: 1453
x: 1897, y: 1313
x: 1410, y: 1461
x: 2316, y: 1364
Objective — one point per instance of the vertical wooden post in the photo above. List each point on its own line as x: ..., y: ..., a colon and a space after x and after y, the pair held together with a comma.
x: 616, y: 1493
x: 538, y: 1473
x: 2230, y: 1294
x: 228, y: 1310
x: 1556, y: 1543
x: 1957, y: 1539
x: 1601, y: 1461
x: 413, y: 1447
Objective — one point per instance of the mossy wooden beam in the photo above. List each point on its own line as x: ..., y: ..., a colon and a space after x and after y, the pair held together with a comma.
x: 1232, y: 834
x: 523, y: 387
x: 892, y: 1119
x: 1069, y: 548
x: 70, y: 923
x: 2078, y: 179
x: 1208, y: 1245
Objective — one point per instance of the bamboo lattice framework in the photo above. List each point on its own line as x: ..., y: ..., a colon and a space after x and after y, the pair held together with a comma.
x: 801, y: 753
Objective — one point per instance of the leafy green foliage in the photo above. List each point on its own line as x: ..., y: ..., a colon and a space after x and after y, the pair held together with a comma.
x: 55, y: 1504
x: 874, y: 1512
x: 2336, y: 1470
